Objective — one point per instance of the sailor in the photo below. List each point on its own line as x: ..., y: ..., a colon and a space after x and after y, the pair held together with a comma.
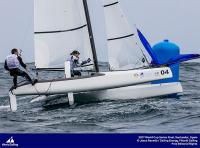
x: 74, y: 63
x: 12, y: 64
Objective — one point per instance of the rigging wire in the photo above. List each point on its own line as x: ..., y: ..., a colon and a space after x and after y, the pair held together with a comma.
x: 46, y: 92
x: 24, y: 36
x: 142, y: 50
x: 146, y: 60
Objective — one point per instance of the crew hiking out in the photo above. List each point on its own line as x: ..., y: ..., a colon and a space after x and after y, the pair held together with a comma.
x: 12, y: 64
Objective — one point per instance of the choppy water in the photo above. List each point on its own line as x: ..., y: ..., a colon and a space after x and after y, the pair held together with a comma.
x: 178, y: 114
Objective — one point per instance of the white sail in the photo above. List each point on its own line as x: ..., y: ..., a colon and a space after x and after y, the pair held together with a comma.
x: 60, y: 27
x: 123, y: 51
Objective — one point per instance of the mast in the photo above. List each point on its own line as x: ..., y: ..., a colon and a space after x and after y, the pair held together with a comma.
x: 96, y: 66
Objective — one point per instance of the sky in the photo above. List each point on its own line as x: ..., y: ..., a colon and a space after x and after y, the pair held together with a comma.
x: 176, y: 20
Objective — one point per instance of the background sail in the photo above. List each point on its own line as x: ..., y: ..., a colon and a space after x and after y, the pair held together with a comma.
x: 60, y: 27
x: 123, y: 51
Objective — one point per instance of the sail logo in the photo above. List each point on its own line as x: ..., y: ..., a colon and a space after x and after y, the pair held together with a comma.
x: 10, y: 143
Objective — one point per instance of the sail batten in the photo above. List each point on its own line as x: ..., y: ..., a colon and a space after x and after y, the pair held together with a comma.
x: 59, y: 31
x: 114, y: 3
x: 122, y: 37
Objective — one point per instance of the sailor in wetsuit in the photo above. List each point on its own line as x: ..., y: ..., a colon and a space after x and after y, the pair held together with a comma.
x: 74, y: 63
x: 12, y: 64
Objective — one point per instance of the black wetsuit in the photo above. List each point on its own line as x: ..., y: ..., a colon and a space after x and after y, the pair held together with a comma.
x: 17, y: 72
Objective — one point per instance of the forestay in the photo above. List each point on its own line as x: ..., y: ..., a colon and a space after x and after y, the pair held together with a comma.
x: 123, y: 51
x: 60, y: 26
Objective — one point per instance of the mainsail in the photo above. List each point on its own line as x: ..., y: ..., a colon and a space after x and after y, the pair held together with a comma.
x: 123, y: 51
x: 60, y: 27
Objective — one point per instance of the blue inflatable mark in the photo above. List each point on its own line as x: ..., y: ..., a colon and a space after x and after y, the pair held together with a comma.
x: 182, y: 58
x: 174, y: 60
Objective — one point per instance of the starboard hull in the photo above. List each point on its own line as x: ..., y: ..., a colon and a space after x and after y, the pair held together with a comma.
x: 124, y: 93
x: 130, y: 92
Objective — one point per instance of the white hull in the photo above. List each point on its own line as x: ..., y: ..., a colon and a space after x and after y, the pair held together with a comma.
x: 124, y: 93
x: 107, y: 80
x: 131, y: 92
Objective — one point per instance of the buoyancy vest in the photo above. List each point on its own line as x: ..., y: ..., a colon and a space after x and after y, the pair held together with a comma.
x: 12, y: 61
x: 74, y: 62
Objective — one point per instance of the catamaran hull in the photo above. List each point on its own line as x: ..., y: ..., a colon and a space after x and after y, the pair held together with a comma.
x: 124, y: 93
x: 131, y: 92
x: 107, y: 80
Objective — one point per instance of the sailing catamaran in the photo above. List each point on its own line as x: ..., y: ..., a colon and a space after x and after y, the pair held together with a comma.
x: 64, y: 25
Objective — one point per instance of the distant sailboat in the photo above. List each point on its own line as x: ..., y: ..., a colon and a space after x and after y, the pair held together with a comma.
x: 64, y: 25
